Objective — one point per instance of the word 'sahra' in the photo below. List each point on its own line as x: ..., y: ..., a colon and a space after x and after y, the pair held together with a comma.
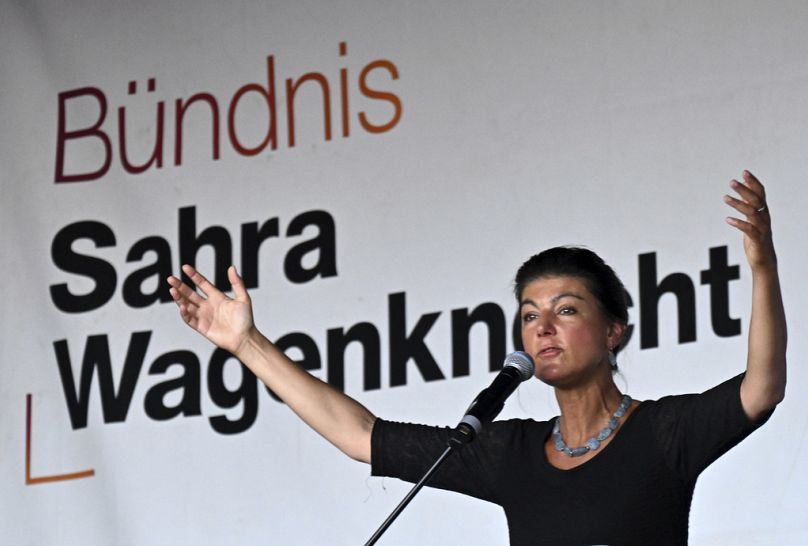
x: 307, y: 249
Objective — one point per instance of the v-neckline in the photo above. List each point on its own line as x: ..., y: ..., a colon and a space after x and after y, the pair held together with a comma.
x: 599, y: 454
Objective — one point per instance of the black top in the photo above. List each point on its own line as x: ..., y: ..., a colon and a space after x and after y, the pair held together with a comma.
x: 636, y: 490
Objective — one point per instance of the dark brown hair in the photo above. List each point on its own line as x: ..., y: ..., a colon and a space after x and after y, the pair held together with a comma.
x: 571, y: 261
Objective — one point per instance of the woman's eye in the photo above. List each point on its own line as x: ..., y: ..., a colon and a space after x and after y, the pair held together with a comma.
x: 567, y: 311
x: 528, y: 317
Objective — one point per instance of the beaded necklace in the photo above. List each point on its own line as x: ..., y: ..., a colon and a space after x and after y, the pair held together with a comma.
x: 593, y: 443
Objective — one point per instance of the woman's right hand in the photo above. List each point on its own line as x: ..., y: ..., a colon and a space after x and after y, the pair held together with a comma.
x: 227, y: 322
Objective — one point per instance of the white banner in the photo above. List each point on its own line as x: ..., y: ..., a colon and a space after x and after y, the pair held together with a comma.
x: 377, y: 171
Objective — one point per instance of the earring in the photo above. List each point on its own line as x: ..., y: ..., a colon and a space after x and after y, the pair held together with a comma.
x: 612, y: 359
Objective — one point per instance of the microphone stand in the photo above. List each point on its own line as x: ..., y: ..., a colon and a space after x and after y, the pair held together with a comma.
x: 460, y: 436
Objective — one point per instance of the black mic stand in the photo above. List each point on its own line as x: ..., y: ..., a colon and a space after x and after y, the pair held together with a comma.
x: 459, y: 437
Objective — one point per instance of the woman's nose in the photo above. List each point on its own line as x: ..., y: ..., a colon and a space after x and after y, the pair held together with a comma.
x: 545, y: 326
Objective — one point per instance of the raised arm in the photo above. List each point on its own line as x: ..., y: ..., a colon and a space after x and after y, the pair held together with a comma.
x: 764, y: 385
x: 228, y: 322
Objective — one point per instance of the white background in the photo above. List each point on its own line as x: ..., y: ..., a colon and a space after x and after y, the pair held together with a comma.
x: 616, y: 125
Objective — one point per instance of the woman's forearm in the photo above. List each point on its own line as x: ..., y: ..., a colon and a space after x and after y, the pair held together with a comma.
x: 337, y: 417
x: 765, y: 381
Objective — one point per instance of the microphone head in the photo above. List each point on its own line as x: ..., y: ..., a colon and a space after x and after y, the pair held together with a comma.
x: 522, y: 363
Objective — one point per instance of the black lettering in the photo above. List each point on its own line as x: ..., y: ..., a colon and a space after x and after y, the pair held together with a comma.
x: 189, y: 382
x: 404, y: 347
x: 216, y: 237
x: 678, y: 284
x: 115, y: 402
x: 158, y: 271
x: 246, y: 394
x: 100, y: 271
x: 493, y: 318
x: 367, y: 336
x: 325, y: 243
x: 718, y: 276
x: 251, y: 238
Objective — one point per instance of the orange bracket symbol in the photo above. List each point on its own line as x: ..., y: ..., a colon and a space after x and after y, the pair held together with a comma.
x: 44, y: 479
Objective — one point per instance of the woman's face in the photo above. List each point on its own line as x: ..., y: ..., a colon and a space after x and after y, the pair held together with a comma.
x: 566, y: 332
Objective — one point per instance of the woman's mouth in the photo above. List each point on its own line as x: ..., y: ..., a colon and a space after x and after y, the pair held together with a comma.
x: 549, y: 352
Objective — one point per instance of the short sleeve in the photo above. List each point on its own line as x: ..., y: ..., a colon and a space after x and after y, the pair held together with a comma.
x: 694, y: 430
x: 407, y: 451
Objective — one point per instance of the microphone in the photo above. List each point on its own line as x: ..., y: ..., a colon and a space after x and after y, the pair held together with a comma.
x: 518, y: 367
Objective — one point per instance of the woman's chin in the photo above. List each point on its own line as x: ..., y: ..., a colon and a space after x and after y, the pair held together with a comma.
x: 550, y: 374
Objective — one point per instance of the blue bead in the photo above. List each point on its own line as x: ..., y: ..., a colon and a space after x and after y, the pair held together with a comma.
x: 593, y: 443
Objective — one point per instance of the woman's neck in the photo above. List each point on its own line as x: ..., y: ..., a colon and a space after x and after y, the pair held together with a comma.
x: 586, y: 409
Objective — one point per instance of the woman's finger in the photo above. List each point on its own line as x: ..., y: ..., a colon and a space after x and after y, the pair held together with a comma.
x: 204, y: 285
x: 741, y: 206
x: 746, y: 227
x: 183, y: 291
x: 238, y: 284
x: 747, y: 194
x: 186, y: 316
x: 751, y: 181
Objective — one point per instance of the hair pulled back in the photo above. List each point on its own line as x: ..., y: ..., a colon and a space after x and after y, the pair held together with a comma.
x: 582, y: 263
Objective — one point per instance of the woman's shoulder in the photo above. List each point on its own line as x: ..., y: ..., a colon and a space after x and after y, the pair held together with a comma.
x: 728, y: 389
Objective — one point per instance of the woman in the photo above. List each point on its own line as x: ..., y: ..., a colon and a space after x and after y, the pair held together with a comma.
x: 608, y: 470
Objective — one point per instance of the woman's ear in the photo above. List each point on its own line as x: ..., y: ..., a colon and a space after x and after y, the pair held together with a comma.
x: 615, y: 333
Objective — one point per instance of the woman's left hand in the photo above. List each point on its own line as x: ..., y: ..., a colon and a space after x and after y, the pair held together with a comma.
x: 757, y: 240
x: 764, y: 384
